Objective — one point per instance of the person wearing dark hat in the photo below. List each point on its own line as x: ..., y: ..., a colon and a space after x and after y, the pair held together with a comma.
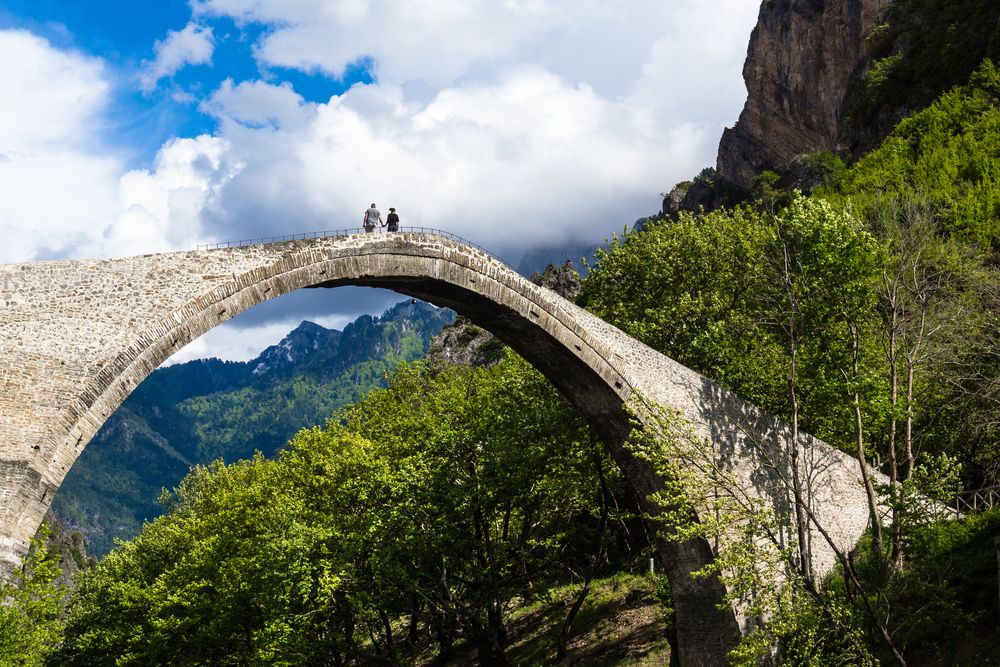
x: 392, y: 221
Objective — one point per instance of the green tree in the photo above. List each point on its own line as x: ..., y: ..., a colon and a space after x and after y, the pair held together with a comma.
x: 442, y: 498
x: 229, y: 574
x: 686, y: 289
x: 931, y: 306
x: 31, y: 608
x: 505, y: 471
x: 821, y: 306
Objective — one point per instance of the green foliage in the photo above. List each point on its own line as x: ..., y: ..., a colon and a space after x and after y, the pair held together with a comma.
x: 822, y: 168
x: 707, y: 175
x: 683, y: 288
x: 196, y: 412
x: 944, y: 602
x: 752, y: 560
x: 931, y: 194
x: 504, y: 487
x: 767, y: 192
x: 707, y: 291
x: 921, y: 48
x: 877, y: 285
x: 818, y: 300
x: 948, y: 154
x: 31, y: 608
x: 443, y: 495
x: 228, y: 573
x: 881, y: 72
x: 810, y: 631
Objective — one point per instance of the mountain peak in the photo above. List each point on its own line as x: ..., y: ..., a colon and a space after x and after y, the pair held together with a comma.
x: 301, y: 342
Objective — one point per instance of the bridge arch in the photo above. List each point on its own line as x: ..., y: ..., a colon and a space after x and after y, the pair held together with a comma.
x: 76, y: 337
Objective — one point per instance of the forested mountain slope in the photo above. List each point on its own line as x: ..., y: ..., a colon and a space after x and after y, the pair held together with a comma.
x: 208, y: 409
x: 835, y: 78
x: 867, y: 312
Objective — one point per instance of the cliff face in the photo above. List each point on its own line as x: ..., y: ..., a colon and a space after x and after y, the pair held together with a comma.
x: 801, y: 57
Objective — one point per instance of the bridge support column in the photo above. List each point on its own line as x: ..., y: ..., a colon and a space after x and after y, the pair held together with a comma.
x: 707, y: 629
x: 705, y: 632
x: 24, y: 499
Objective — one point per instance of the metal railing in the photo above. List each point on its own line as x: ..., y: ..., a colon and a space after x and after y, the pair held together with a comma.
x: 338, y: 233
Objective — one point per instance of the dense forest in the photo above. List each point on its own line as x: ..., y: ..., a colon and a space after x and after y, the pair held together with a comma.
x: 865, y: 313
x: 417, y: 524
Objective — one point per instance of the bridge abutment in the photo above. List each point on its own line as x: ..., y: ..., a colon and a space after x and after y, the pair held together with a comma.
x: 24, y: 499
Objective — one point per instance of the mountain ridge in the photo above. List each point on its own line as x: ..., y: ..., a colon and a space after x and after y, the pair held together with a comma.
x: 195, y: 412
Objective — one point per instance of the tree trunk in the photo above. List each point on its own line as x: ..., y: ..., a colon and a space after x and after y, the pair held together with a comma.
x: 490, y: 642
x: 412, y: 635
x: 910, y: 377
x: 897, y: 533
x: 445, y: 638
x: 562, y: 645
x: 801, y: 520
x: 387, y: 629
x: 859, y: 443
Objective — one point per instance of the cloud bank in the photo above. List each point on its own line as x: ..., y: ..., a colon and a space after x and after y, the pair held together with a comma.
x: 517, y: 124
x: 56, y: 179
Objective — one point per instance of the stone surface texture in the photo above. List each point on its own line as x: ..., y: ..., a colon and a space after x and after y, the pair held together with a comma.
x: 76, y: 337
x: 801, y: 57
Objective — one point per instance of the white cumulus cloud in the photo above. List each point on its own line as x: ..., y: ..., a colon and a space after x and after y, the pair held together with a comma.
x: 515, y: 124
x: 57, y: 181
x: 602, y: 42
x: 524, y: 160
x: 162, y: 208
x: 63, y: 191
x: 192, y: 45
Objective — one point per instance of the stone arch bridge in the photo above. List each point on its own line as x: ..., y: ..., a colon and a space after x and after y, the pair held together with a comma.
x: 77, y: 336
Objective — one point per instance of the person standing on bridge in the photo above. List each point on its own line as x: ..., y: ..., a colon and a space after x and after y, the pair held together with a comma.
x: 371, y: 218
x: 392, y: 221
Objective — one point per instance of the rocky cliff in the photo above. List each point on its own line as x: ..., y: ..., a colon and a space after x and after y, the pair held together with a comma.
x: 801, y: 58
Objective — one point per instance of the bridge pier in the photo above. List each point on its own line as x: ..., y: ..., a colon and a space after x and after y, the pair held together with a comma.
x: 24, y: 499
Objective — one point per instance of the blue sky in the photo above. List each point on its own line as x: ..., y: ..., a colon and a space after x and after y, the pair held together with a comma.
x: 132, y: 127
x: 122, y: 33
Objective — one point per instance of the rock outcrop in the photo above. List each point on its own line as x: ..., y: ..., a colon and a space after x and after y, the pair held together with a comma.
x: 563, y: 280
x: 801, y: 58
x: 71, y: 549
